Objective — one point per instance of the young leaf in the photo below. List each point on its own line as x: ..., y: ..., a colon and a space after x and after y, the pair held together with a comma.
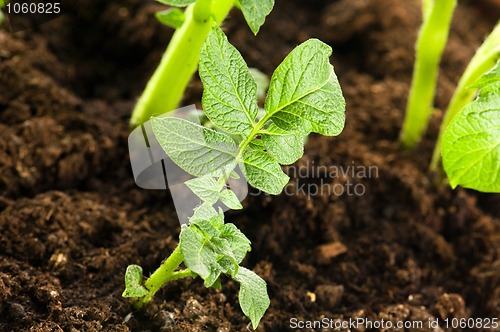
x: 172, y: 17
x: 263, y: 172
x: 253, y: 297
x: 210, y: 248
x: 229, y: 198
x: 284, y: 146
x: 255, y: 12
x: 240, y: 244
x: 133, y: 282
x: 304, y: 92
x: 204, y: 212
x: 471, y: 142
x: 229, y: 95
x: 199, y: 256
x: 205, y: 188
x: 198, y: 150
x: 177, y: 3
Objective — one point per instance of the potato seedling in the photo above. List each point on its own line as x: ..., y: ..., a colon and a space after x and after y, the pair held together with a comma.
x: 165, y: 89
x: 430, y: 44
x: 484, y: 59
x: 471, y: 142
x: 304, y: 96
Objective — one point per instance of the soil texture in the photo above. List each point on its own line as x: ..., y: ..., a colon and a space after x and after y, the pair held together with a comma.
x: 72, y: 219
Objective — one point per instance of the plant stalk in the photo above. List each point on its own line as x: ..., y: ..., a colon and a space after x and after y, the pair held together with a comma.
x: 165, y: 273
x: 165, y: 89
x: 484, y: 59
x: 430, y: 45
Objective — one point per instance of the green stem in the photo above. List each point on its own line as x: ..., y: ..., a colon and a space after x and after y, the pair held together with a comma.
x: 165, y: 89
x: 430, y: 45
x: 165, y: 273
x: 243, y: 145
x: 182, y: 274
x: 426, y: 7
x: 484, y: 59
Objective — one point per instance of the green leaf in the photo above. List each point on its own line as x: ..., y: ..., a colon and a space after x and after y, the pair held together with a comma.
x: 255, y: 12
x: 198, y: 254
x: 210, y: 248
x: 172, y: 17
x: 229, y: 198
x: 257, y: 144
x: 217, y: 284
x: 133, y: 282
x: 229, y: 95
x: 263, y: 172
x: 198, y: 150
x: 1, y: 16
x: 488, y: 78
x: 234, y: 175
x: 253, y: 297
x: 240, y: 244
x: 471, y: 143
x: 177, y: 3
x: 286, y: 147
x: 204, y: 212
x: 205, y: 188
x: 304, y: 93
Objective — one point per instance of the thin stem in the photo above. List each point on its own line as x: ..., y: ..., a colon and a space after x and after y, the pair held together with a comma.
x: 164, y: 91
x: 162, y: 275
x: 182, y: 274
x: 241, y: 148
x: 484, y: 59
x: 430, y: 45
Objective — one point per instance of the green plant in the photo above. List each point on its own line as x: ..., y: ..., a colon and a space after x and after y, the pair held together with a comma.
x: 471, y: 142
x: 166, y: 87
x: 484, y: 59
x: 430, y: 45
x: 304, y: 96
x: 2, y: 18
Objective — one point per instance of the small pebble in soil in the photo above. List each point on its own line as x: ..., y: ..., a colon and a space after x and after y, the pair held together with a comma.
x: 17, y: 311
x: 311, y: 296
x: 193, y: 309
x: 329, y: 295
x: 57, y: 261
x: 326, y: 252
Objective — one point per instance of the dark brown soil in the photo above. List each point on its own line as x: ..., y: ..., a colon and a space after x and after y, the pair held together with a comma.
x: 72, y: 218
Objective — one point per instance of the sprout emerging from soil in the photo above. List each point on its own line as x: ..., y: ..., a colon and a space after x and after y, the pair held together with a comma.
x: 304, y: 96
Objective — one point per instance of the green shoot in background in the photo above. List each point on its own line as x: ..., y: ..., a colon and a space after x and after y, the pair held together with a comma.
x: 164, y: 91
x: 430, y: 45
x: 471, y: 142
x: 484, y: 59
x: 2, y: 18
x: 304, y: 96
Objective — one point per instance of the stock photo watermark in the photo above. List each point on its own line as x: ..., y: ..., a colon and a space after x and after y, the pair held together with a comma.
x: 153, y: 169
x: 363, y: 323
x: 27, y: 14
x: 311, y: 180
